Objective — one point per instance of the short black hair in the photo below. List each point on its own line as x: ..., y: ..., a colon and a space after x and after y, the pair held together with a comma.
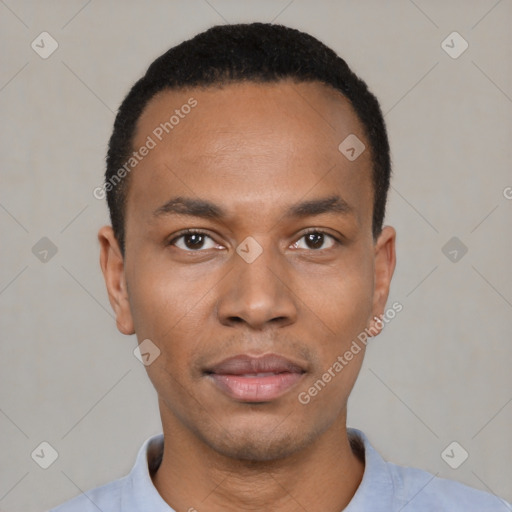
x: 256, y: 52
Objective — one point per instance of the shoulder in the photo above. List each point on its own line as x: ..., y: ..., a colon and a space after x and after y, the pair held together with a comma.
x: 389, y: 487
x: 106, y: 498
x: 419, y: 490
x: 134, y: 491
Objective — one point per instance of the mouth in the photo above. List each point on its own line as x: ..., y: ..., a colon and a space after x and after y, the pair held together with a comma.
x: 255, y: 379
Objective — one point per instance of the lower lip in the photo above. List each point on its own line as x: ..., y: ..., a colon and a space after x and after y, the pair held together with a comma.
x: 256, y: 389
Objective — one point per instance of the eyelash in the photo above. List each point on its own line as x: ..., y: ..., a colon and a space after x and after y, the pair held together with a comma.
x: 191, y: 231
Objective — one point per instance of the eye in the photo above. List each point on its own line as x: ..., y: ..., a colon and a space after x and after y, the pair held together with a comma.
x: 192, y: 240
x: 315, y: 239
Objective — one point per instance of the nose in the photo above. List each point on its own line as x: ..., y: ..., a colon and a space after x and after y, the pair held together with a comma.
x: 258, y: 294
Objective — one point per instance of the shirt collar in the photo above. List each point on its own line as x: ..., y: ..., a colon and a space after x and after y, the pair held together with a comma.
x: 376, y: 490
x: 139, y: 493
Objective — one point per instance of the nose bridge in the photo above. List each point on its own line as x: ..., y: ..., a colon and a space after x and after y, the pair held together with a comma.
x: 257, y: 268
x: 254, y: 291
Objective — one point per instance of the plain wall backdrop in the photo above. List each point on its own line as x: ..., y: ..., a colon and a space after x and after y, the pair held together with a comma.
x: 440, y: 371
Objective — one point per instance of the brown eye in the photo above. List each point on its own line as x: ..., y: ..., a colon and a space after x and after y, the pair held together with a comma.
x: 315, y: 240
x: 193, y: 241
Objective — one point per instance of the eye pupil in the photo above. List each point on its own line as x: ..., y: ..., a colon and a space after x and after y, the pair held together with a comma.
x: 317, y: 240
x: 196, y: 240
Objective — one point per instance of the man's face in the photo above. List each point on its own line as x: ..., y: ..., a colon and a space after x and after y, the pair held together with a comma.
x: 266, y: 157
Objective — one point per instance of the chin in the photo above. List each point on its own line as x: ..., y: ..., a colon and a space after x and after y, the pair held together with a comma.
x: 257, y: 448
x: 259, y: 443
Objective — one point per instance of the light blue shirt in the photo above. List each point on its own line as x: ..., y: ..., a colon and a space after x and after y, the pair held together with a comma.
x: 385, y: 487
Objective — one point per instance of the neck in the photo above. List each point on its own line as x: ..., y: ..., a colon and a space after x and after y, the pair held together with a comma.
x: 323, y: 477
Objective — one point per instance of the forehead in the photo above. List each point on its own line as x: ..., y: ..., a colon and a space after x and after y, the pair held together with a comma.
x: 252, y: 141
x: 314, y: 110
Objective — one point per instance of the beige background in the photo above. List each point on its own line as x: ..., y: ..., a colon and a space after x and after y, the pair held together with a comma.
x: 441, y: 370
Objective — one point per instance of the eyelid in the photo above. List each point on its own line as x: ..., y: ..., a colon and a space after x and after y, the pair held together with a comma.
x: 188, y: 231
x: 319, y: 230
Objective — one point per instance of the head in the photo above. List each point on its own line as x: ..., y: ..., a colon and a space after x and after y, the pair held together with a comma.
x: 288, y: 255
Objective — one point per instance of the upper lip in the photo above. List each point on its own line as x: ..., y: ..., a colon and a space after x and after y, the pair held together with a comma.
x: 245, y: 364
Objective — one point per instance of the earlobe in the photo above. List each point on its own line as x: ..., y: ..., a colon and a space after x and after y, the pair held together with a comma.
x: 112, y: 266
x: 375, y: 327
x: 385, y: 262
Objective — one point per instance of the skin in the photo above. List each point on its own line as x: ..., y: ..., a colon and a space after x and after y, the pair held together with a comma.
x: 254, y: 150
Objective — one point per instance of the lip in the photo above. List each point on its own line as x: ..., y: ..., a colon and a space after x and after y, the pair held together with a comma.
x: 260, y: 379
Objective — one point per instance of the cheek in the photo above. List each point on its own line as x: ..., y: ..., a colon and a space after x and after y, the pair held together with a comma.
x: 171, y: 309
x: 343, y: 308
x: 340, y: 298
x: 163, y: 300
x: 167, y: 312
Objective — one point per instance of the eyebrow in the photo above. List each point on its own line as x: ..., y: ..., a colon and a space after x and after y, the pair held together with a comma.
x: 332, y: 204
x: 208, y: 210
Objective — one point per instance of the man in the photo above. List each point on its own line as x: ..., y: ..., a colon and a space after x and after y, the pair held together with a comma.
x: 247, y: 176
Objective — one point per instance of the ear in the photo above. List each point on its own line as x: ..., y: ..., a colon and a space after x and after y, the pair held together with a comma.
x: 112, y: 266
x: 385, y: 261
